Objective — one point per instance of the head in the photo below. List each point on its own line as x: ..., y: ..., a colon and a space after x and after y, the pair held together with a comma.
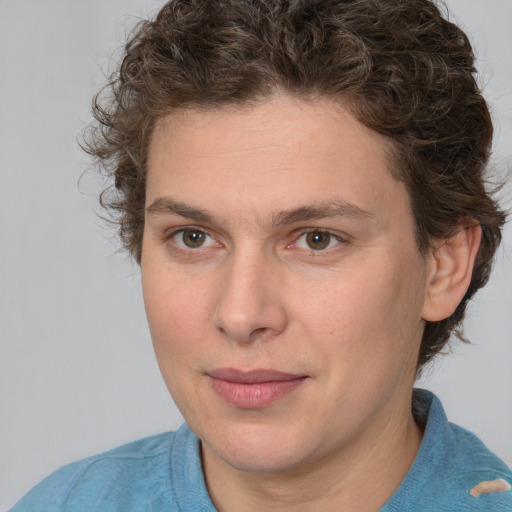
x: 398, y: 67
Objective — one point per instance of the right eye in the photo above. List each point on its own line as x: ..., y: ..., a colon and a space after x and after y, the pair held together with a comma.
x: 192, y: 238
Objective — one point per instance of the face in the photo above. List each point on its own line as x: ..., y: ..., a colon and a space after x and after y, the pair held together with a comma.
x: 282, y: 282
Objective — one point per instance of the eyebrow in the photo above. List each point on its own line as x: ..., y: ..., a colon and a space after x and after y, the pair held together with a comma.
x: 334, y: 208
x: 166, y: 206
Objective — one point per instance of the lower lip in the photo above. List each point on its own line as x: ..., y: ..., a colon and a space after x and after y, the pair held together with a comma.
x: 254, y: 395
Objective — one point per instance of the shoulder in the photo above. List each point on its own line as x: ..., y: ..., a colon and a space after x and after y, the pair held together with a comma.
x: 135, y: 476
x: 484, y: 480
x: 453, y: 469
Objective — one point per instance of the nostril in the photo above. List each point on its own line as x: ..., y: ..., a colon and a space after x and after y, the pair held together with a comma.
x: 259, y: 333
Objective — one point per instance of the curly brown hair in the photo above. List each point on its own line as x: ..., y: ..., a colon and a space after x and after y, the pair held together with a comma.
x: 402, y: 68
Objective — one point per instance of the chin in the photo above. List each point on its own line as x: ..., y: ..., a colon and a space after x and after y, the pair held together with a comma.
x: 259, y: 449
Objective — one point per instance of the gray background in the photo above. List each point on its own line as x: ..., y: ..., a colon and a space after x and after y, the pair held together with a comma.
x: 77, y: 371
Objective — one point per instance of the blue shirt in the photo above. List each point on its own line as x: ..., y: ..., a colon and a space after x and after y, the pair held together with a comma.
x: 163, y: 473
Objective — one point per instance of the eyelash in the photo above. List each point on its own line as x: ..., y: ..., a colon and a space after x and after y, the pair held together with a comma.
x: 333, y: 240
x: 182, y: 231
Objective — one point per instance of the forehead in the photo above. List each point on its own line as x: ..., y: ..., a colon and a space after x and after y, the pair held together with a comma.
x: 319, y: 127
x: 278, y: 155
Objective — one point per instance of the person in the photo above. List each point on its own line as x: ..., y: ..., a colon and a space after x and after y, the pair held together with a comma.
x: 303, y: 185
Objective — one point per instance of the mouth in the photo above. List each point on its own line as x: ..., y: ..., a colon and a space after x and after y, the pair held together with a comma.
x: 253, y: 389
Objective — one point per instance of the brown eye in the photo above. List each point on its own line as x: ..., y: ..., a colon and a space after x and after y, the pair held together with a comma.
x: 193, y: 238
x: 318, y: 240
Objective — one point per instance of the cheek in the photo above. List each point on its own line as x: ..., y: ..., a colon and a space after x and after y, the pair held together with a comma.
x: 175, y: 316
x: 359, y: 315
x: 173, y: 323
x: 171, y: 298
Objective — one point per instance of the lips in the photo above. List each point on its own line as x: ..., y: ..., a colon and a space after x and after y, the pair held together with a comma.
x: 253, y: 389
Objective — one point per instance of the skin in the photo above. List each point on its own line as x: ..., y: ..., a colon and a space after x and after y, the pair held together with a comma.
x: 348, y: 317
x: 489, y: 487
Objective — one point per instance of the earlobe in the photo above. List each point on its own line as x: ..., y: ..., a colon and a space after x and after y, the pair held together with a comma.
x: 453, y: 260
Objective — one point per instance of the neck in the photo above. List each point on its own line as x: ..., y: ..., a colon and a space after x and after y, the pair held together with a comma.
x: 360, y: 478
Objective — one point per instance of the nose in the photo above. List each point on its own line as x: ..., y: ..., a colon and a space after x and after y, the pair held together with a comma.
x: 250, y: 302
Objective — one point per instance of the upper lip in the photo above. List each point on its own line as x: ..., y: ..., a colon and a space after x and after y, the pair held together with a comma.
x: 252, y: 376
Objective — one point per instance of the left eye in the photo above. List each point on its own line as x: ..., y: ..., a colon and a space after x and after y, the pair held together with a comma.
x: 192, y: 238
x: 317, y: 240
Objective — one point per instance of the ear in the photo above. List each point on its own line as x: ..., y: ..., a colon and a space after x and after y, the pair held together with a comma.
x: 452, y: 260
